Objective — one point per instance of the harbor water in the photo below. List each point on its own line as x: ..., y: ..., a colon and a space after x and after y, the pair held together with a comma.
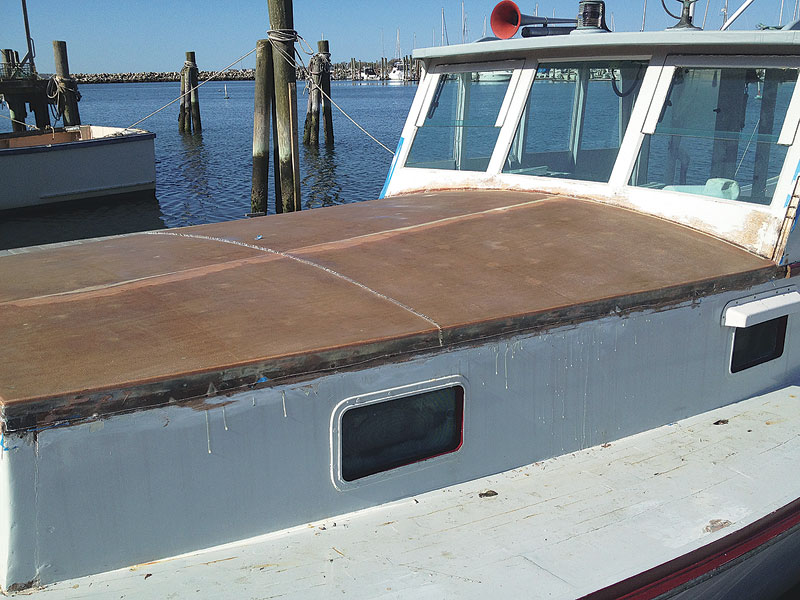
x: 206, y: 177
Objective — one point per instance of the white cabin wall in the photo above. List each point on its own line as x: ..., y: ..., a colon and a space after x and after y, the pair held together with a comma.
x: 161, y: 482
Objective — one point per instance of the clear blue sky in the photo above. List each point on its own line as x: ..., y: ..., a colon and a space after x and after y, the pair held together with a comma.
x: 119, y: 36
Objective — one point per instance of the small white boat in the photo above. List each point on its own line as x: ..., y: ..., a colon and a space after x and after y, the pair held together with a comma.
x: 74, y: 163
x: 225, y: 93
x: 398, y: 71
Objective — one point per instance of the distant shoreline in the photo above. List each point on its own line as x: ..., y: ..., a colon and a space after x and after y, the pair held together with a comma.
x: 161, y: 77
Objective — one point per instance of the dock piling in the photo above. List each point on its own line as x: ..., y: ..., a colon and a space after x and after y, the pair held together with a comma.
x: 323, y: 47
x: 189, y: 107
x: 281, y: 20
x: 311, y: 129
x: 261, y: 127
x: 67, y: 85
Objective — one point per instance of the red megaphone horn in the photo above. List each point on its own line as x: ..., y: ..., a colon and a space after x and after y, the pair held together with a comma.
x: 506, y: 20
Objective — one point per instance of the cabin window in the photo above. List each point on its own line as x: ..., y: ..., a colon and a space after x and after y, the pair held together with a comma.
x: 385, y: 435
x: 575, y: 119
x: 718, y: 132
x: 758, y: 343
x: 460, y: 129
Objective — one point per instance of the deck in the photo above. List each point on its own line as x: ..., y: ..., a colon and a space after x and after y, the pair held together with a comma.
x: 117, y: 324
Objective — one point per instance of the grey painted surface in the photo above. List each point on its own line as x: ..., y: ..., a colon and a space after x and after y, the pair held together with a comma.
x: 142, y: 486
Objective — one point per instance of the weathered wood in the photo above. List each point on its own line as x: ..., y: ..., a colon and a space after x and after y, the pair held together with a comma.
x: 41, y: 111
x: 281, y: 19
x: 195, y: 95
x: 325, y: 82
x: 187, y: 103
x: 71, y: 114
x: 261, y: 123
x: 293, y: 118
x: 182, y: 104
x: 16, y: 109
x: 311, y: 129
x: 276, y: 167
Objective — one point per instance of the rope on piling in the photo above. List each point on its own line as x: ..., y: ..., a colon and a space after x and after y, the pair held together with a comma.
x: 57, y: 88
x: 290, y: 35
x: 190, y: 90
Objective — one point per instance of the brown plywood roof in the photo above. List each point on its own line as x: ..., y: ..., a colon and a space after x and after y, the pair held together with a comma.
x: 293, y: 293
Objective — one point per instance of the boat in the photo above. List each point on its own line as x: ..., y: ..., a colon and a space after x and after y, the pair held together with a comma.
x: 368, y: 74
x: 397, y: 72
x: 225, y: 93
x: 557, y: 358
x: 69, y: 163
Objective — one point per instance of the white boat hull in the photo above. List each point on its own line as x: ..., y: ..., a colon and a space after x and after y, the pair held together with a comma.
x: 101, y: 162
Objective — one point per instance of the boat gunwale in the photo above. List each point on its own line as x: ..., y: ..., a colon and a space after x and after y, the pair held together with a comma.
x: 138, y: 135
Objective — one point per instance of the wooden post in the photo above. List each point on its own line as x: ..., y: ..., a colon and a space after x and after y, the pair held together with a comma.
x: 325, y: 82
x: 71, y: 114
x: 16, y: 109
x: 281, y: 18
x: 41, y: 110
x: 261, y: 117
x: 187, y: 102
x: 195, y: 95
x: 295, y: 145
x: 276, y: 167
x: 311, y: 129
x: 182, y: 104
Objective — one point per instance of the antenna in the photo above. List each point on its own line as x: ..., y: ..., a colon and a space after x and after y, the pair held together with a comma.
x: 736, y: 15
x: 31, y: 47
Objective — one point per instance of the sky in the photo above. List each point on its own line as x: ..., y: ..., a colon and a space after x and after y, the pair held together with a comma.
x: 111, y: 36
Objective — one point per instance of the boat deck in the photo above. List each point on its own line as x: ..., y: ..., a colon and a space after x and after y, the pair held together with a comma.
x: 666, y: 492
x: 181, y: 313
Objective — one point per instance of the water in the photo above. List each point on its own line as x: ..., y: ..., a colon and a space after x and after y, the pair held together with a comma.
x: 205, y: 178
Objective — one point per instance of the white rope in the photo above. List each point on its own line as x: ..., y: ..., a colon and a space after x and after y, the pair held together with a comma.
x: 20, y: 122
x: 290, y: 35
x: 189, y: 91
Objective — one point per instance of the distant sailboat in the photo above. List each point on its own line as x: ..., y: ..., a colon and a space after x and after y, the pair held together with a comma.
x: 225, y: 94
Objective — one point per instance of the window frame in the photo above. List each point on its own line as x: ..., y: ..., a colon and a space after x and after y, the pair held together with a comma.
x: 386, y: 395
x: 787, y: 137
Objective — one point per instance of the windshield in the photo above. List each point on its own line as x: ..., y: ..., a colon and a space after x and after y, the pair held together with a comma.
x: 718, y: 132
x: 575, y: 119
x: 460, y: 129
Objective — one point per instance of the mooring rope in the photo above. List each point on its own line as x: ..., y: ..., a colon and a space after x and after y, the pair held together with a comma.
x: 20, y: 122
x: 57, y: 88
x: 290, y: 35
x: 190, y: 90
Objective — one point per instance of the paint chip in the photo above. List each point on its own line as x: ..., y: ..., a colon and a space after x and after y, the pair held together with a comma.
x: 716, y: 524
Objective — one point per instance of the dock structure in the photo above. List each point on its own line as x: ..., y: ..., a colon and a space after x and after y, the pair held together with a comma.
x: 189, y: 111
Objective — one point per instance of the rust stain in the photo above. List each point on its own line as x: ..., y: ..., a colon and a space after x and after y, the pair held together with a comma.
x: 113, y: 289
x: 390, y: 233
x: 213, y: 562
x: 716, y: 524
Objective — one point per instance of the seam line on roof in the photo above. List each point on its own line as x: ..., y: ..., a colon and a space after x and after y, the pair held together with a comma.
x: 309, y: 263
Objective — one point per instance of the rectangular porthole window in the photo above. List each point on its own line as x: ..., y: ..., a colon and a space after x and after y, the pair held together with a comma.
x: 758, y: 344
x: 386, y: 435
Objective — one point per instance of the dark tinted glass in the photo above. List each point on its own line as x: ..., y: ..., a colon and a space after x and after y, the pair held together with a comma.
x: 386, y: 435
x: 758, y: 344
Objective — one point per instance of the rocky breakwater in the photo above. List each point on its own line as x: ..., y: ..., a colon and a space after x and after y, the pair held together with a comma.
x: 153, y: 77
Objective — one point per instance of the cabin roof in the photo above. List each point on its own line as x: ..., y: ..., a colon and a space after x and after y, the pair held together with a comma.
x: 121, y: 323
x: 626, y: 43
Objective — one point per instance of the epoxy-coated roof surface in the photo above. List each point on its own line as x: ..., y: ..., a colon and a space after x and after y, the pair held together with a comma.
x: 326, y: 288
